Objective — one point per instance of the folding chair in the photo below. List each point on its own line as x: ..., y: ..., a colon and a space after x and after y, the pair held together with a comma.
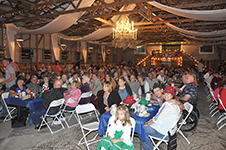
x: 72, y: 112
x: 9, y: 109
x: 112, y: 119
x: 89, y: 127
x: 189, y: 108
x: 172, y: 131
x: 213, y: 103
x: 223, y: 116
x: 55, y: 103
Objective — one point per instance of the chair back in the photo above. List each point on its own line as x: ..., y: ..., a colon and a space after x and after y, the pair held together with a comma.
x: 132, y: 120
x: 5, y: 95
x: 112, y: 119
x: 221, y: 101
x: 189, y: 108
x: 85, y: 108
x: 84, y: 95
x: 56, y: 103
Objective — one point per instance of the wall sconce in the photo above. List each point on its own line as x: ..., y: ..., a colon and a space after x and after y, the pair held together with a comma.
x: 90, y: 49
x: 63, y: 47
x: 19, y: 41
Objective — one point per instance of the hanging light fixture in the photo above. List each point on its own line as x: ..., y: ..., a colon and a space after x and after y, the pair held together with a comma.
x: 124, y: 34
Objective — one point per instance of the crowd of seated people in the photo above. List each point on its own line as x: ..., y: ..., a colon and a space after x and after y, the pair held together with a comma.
x: 106, y: 82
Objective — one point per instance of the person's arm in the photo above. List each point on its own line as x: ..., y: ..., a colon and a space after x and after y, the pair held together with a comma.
x: 12, y: 77
x: 185, y: 97
x: 28, y: 90
x: 149, y: 122
x: 176, y: 102
x: 12, y: 93
x: 94, y: 87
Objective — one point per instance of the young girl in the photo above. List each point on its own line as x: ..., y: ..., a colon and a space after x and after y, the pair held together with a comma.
x: 119, y: 132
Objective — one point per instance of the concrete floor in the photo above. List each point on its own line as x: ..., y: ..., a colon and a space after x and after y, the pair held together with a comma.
x: 204, y: 137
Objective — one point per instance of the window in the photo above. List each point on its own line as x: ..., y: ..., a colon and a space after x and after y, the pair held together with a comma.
x: 140, y: 50
x: 47, y: 55
x: 171, y: 47
x: 25, y: 54
x: 2, y: 52
x: 64, y: 55
x: 206, y: 49
x: 77, y: 56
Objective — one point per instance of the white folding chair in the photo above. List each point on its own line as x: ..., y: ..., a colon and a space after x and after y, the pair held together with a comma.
x: 112, y: 119
x: 213, y: 107
x: 55, y: 103
x: 9, y: 109
x: 89, y: 127
x: 223, y: 116
x: 172, y: 131
x: 72, y: 112
x: 189, y: 108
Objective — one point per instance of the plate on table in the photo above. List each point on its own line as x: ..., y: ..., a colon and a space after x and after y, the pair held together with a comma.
x: 145, y: 116
x: 154, y: 103
x: 150, y: 109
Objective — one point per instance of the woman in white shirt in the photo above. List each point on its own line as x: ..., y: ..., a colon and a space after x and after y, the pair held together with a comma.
x: 161, y: 123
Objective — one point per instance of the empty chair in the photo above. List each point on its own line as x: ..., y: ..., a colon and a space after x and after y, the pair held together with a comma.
x: 89, y: 127
x: 55, y: 117
x: 9, y: 109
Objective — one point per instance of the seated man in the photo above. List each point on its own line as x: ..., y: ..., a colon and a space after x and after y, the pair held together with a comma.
x: 190, y: 91
x: 33, y: 86
x: 48, y: 97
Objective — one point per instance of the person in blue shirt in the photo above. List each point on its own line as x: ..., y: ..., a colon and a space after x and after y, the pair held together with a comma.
x: 18, y: 88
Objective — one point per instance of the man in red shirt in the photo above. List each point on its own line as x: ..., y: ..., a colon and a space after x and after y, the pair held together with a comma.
x: 56, y: 68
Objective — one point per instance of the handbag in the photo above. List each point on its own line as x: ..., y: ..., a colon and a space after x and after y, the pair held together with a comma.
x: 172, y: 144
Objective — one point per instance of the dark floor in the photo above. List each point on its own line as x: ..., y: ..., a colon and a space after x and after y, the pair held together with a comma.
x: 205, y: 137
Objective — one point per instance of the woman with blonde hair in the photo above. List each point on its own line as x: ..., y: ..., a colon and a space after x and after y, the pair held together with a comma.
x: 108, y: 97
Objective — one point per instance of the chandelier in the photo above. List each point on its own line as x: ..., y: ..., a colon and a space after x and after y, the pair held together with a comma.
x: 124, y: 34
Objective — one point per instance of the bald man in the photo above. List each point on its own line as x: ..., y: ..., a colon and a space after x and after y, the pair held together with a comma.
x: 48, y: 97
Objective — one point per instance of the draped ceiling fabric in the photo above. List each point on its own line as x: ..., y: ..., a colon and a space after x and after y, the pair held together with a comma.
x: 103, y: 52
x: 11, y: 42
x: 207, y: 15
x: 56, y: 48
x: 84, y: 50
x: 60, y: 23
x: 206, y: 39
x: 100, y: 33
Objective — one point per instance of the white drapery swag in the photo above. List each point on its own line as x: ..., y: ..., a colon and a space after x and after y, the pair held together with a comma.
x: 103, y: 52
x: 84, y: 50
x: 55, y: 45
x: 207, y: 15
x: 60, y: 23
x: 100, y: 33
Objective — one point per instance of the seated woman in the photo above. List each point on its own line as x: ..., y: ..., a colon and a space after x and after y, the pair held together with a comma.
x: 161, y: 123
x: 84, y: 88
x: 18, y: 88
x: 107, y: 98
x: 65, y: 81
x: 72, y: 94
x: 109, y: 78
x: 16, y: 91
x: 46, y: 85
x: 123, y: 88
x: 144, y: 86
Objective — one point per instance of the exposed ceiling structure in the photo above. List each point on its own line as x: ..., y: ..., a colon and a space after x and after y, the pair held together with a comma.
x: 150, y: 21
